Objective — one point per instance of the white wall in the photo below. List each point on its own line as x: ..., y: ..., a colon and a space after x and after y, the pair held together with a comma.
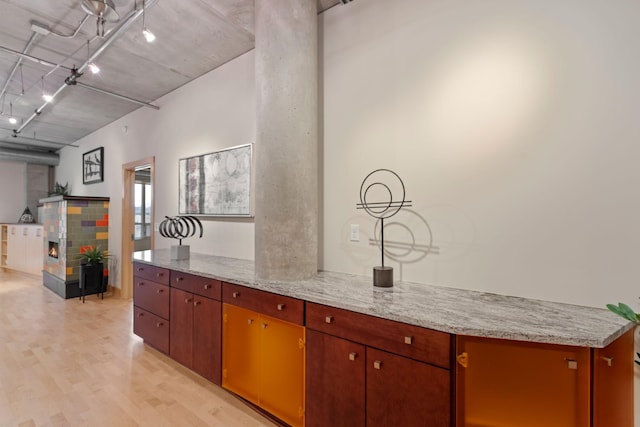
x: 514, y: 127
x: 213, y: 112
x: 13, y: 191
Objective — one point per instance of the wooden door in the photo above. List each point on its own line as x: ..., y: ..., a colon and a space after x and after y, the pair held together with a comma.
x: 282, y: 370
x: 241, y: 352
x: 207, y: 338
x: 181, y: 341
x: 405, y: 392
x: 335, y: 381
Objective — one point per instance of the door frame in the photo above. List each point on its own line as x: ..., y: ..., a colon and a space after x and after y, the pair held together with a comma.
x: 128, y: 180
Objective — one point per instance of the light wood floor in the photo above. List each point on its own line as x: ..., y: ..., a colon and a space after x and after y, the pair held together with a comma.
x: 64, y: 363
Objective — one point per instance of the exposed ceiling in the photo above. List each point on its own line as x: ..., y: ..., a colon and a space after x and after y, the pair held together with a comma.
x: 193, y: 37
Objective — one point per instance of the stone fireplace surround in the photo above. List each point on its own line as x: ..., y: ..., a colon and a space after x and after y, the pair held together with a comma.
x: 74, y: 223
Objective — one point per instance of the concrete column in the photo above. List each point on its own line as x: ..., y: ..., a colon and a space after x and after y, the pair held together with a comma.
x: 286, y: 182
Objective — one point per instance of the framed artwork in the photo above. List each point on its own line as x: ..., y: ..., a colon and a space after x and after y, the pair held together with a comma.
x: 218, y: 183
x: 93, y: 166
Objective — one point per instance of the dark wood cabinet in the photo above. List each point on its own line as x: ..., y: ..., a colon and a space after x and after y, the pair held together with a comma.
x: 363, y: 370
x: 195, y: 338
x: 151, y: 305
x: 335, y: 385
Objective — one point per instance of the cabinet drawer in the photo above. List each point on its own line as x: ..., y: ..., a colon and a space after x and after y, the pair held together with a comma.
x: 153, y: 329
x: 407, y: 340
x: 151, y: 296
x: 151, y: 272
x: 199, y: 285
x: 274, y: 305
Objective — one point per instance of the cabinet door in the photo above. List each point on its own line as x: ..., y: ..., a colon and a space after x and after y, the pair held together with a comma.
x: 16, y: 244
x: 181, y: 342
x: 152, y: 329
x: 513, y: 383
x: 335, y: 389
x: 613, y: 383
x: 405, y: 392
x: 207, y: 338
x: 282, y: 370
x: 35, y: 250
x: 241, y: 352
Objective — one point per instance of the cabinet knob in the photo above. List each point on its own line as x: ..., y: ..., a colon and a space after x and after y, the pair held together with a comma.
x: 187, y: 300
x: 463, y: 359
x: 408, y: 340
x: 571, y: 363
x: 235, y: 294
x: 159, y: 324
x: 328, y: 319
x: 196, y: 303
x: 159, y: 274
x: 280, y: 307
x: 140, y: 269
x: 249, y: 321
x: 140, y: 314
x: 353, y: 355
x: 140, y: 283
x: 207, y: 287
x: 179, y: 279
x: 264, y: 326
x: 377, y: 364
x: 608, y: 360
x: 159, y: 291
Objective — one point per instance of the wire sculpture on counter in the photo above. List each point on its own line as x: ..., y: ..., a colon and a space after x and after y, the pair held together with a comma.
x: 381, y: 185
x: 180, y: 227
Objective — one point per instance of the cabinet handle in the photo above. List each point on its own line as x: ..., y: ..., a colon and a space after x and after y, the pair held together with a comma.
x: 196, y: 303
x: 187, y: 300
x: 235, y: 294
x: 408, y: 340
x: 179, y: 279
x: 159, y: 324
x: 571, y: 363
x: 140, y: 314
x: 377, y: 364
x: 140, y: 269
x: 207, y: 287
x: 264, y: 326
x: 249, y: 321
x: 328, y: 319
x: 140, y: 283
x: 463, y: 359
x: 280, y: 307
x: 353, y: 355
x: 159, y: 291
x: 159, y: 274
x: 608, y: 360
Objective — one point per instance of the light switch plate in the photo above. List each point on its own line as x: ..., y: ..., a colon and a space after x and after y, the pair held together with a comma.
x: 354, y: 235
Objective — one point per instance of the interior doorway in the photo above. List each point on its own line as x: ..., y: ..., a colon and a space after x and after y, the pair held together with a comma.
x: 137, y: 216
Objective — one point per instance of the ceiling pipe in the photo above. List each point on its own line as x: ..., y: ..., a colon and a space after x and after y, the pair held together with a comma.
x: 115, y: 95
x: 34, y: 157
x: 117, y: 31
x: 18, y: 62
x: 33, y: 58
x: 45, y: 30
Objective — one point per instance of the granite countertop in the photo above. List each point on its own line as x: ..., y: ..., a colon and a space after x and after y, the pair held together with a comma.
x: 452, y: 310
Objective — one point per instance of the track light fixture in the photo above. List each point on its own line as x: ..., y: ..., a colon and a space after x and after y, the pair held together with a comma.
x: 148, y: 35
x: 46, y: 96
x: 92, y: 65
x: 12, y: 119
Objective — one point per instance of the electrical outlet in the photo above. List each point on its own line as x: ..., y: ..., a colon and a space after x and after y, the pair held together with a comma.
x: 354, y: 235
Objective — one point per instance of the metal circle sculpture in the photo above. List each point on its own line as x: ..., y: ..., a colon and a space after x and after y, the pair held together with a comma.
x: 373, y: 184
x: 377, y: 199
x: 180, y: 227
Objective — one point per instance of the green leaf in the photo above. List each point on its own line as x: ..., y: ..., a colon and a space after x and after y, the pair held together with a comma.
x: 624, y: 311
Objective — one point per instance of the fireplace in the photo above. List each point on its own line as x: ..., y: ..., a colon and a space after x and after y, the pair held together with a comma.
x: 53, y: 250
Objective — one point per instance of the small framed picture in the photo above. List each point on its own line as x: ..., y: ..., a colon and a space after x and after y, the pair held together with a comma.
x: 93, y: 166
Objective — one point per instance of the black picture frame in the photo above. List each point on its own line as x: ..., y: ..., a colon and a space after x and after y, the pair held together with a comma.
x: 93, y: 166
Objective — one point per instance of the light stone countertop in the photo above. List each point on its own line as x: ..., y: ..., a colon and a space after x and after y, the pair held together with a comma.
x: 452, y: 310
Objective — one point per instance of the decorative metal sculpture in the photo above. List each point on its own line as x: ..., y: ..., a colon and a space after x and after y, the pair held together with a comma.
x: 180, y: 227
x: 382, y: 183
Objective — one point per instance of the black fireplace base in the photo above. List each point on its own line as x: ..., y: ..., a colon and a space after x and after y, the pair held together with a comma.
x: 67, y: 289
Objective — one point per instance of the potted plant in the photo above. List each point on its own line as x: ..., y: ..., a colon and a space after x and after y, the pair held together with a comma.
x: 626, y: 312
x: 92, y: 270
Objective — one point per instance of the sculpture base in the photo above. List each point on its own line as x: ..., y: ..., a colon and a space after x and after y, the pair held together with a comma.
x: 383, y: 277
x: 179, y: 252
